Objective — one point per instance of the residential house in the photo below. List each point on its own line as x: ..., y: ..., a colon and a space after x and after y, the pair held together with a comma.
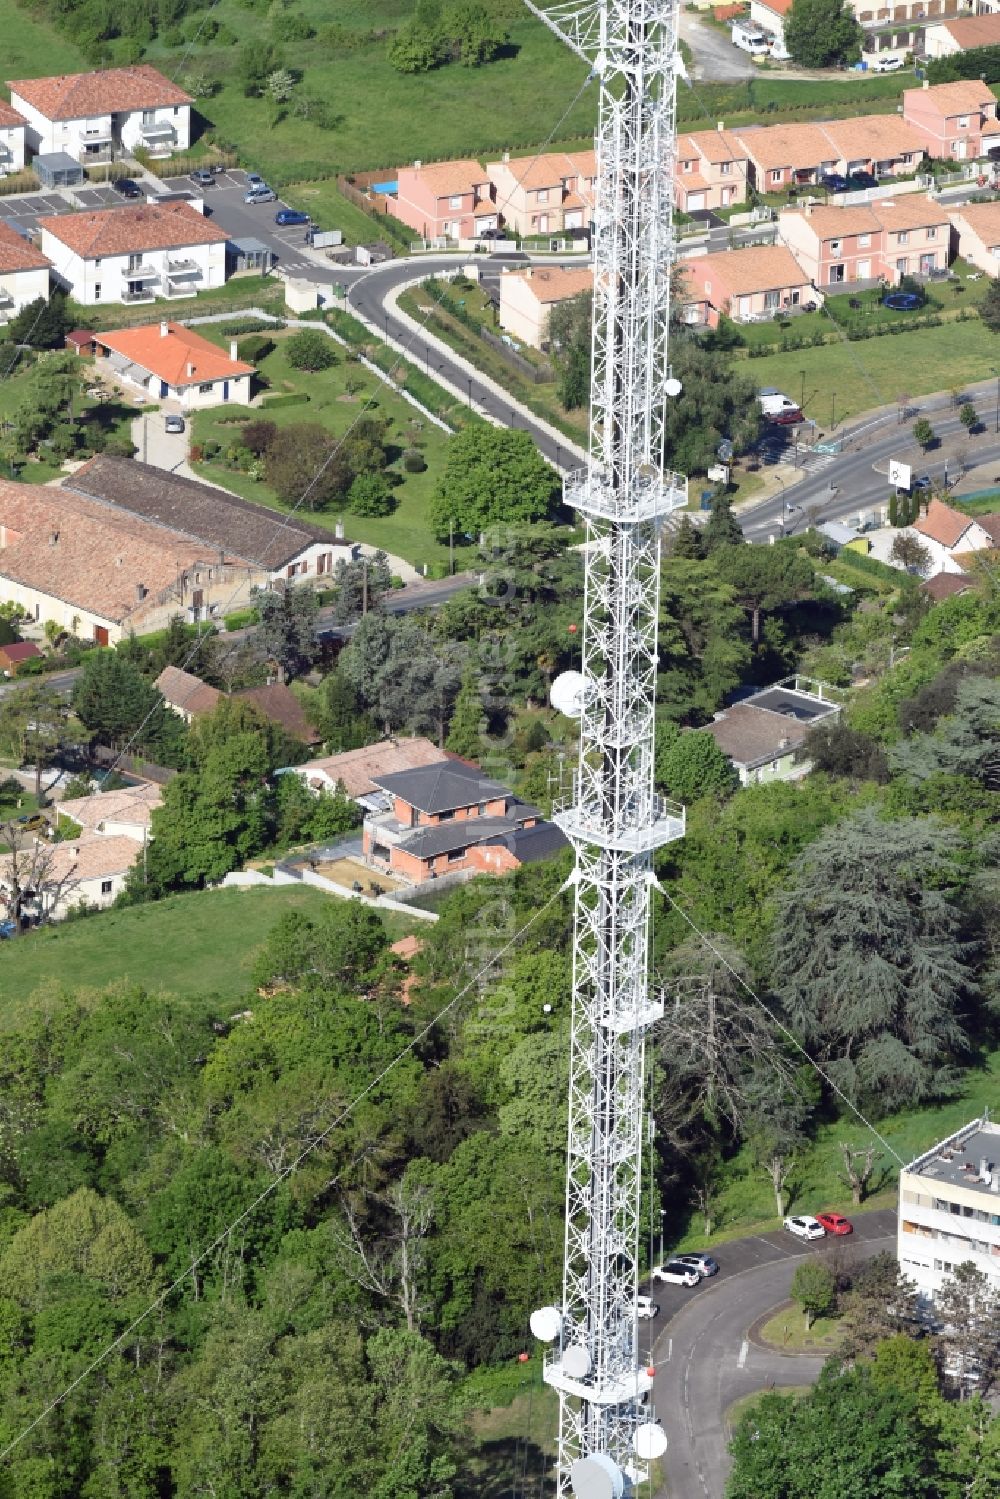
x: 783, y: 156
x: 884, y: 145
x: 354, y: 769
x: 949, y: 1209
x: 447, y: 818
x: 223, y: 526
x: 770, y: 16
x: 527, y: 298
x: 916, y: 236
x: 748, y: 285
x: 89, y: 871
x: 762, y: 734
x: 24, y: 272
x: 185, y: 694
x: 124, y: 813
x: 955, y: 121
x: 135, y: 254
x: 942, y: 586
x: 948, y: 536
x: 977, y: 230
x: 279, y: 704
x: 946, y: 37
x: 169, y: 362
x: 15, y: 654
x: 884, y: 240
x: 711, y: 169
x: 103, y: 115
x: 552, y: 193
x: 13, y: 128
x: 445, y: 199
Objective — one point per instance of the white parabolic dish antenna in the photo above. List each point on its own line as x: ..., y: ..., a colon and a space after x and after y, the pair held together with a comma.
x: 650, y: 1440
x: 546, y: 1323
x: 597, y: 1477
x: 566, y: 694
x: 577, y: 1362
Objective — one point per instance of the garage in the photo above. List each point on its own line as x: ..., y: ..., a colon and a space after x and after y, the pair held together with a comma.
x: 695, y: 201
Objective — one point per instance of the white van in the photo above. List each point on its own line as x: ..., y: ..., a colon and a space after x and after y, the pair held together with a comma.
x: 749, y: 39
x: 774, y: 402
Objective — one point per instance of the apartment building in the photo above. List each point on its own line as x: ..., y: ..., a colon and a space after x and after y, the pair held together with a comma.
x: 13, y: 132
x: 24, y: 272
x: 548, y: 194
x: 135, y: 254
x: 103, y: 115
x: 949, y: 1208
x: 711, y: 170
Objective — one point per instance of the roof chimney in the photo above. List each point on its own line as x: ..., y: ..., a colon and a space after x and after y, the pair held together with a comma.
x: 190, y: 370
x: 720, y: 125
x: 232, y: 350
x: 164, y: 327
x: 53, y: 538
x: 984, y: 1169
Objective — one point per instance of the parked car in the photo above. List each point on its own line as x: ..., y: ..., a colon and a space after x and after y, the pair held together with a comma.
x: 254, y: 179
x: 835, y: 1223
x: 262, y: 194
x: 902, y: 301
x: 923, y: 481
x: 790, y: 418
x: 126, y: 187
x: 33, y: 822
x: 647, y: 1308
x: 804, y: 1227
x: 833, y: 182
x: 204, y: 177
x: 861, y: 181
x: 676, y: 1274
x: 173, y: 424
x: 703, y: 1263
x: 885, y: 64
x: 291, y: 216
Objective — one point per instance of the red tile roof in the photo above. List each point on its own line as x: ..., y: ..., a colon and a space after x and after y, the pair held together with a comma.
x: 279, y: 703
x: 20, y: 650
x: 181, y: 689
x: 173, y: 353
x: 356, y: 768
x: 124, y: 231
x: 18, y: 253
x: 945, y: 585
x: 81, y: 96
x: 9, y: 117
x: 942, y: 524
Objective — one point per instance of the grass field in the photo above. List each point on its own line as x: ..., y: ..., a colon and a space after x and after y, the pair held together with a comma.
x: 405, y: 533
x: 198, y: 946
x: 787, y: 1330
x: 32, y: 48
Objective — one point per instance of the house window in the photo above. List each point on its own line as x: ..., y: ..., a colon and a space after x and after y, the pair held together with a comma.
x: 542, y: 195
x: 776, y: 176
x: 446, y: 816
x: 688, y: 166
x: 864, y: 240
x: 105, y: 887
x: 134, y: 262
x: 932, y: 232
x: 455, y: 201
x: 725, y: 167
x: 835, y: 247
x: 772, y: 299
x: 456, y: 856
x: 902, y: 238
x: 97, y: 261
x: 963, y: 122
x: 205, y: 390
x: 482, y: 809
x: 97, y: 291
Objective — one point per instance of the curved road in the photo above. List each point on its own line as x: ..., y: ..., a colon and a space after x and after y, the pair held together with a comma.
x: 704, y: 1359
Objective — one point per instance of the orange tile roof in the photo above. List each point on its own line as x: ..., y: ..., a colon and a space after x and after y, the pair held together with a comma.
x: 716, y: 146
x: 983, y: 219
x: 446, y: 179
x: 556, y: 283
x: 355, y: 769
x: 693, y: 180
x: 98, y: 557
x: 755, y: 269
x: 873, y: 137
x: 124, y: 231
x: 485, y: 208
x: 942, y: 524
x: 9, y: 117
x: 92, y: 856
x: 549, y: 169
x: 17, y: 253
x: 962, y: 97
x: 173, y: 353
x: 828, y: 222
x: 182, y: 689
x: 80, y: 96
x: 916, y: 212
x: 780, y: 7
x: 132, y: 804
x: 795, y: 146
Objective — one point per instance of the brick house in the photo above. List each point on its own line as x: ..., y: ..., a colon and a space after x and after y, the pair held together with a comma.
x: 527, y: 298
x: 747, y: 285
x: 953, y: 120
x: 445, y: 199
x: 886, y: 239
x: 354, y: 769
x: 710, y: 171
x: 916, y: 237
x: 439, y: 819
x: 136, y: 253
x: 103, y: 115
x: 24, y: 272
x: 547, y: 194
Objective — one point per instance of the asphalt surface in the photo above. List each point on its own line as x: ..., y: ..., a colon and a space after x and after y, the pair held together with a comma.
x: 705, y: 1359
x: 714, y: 55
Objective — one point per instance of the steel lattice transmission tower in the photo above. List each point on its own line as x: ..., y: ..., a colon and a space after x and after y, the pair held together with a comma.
x: 616, y: 820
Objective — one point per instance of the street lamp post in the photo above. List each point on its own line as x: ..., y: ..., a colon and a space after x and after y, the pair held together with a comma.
x: 663, y: 1214
x: 833, y: 410
x: 802, y: 390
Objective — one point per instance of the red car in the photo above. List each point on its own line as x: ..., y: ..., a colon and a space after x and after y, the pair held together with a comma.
x: 786, y: 418
x: 834, y: 1223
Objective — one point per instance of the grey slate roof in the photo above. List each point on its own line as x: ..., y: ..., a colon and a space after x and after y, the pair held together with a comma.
x: 537, y: 842
x: 442, y: 788
x: 446, y: 837
x: 200, y: 512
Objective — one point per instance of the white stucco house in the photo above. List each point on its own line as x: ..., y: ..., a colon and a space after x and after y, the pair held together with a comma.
x: 13, y: 130
x: 946, y: 535
x: 24, y: 272
x: 135, y: 254
x: 169, y: 362
x: 104, y: 115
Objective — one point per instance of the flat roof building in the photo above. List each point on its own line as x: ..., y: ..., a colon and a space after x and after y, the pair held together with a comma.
x: 949, y: 1208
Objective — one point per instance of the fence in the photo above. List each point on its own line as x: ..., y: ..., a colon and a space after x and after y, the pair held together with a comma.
x: 537, y: 374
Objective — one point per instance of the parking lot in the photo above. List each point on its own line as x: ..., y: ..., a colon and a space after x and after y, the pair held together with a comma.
x: 26, y: 211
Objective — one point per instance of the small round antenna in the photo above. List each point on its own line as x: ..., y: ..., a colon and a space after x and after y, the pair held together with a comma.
x: 649, y: 1440
x: 597, y: 1477
x: 546, y: 1323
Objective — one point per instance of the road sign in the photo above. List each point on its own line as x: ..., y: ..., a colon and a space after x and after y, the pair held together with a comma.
x: 900, y: 474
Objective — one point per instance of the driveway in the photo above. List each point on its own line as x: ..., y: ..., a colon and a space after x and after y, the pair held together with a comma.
x: 715, y: 57
x: 703, y: 1355
x: 160, y: 448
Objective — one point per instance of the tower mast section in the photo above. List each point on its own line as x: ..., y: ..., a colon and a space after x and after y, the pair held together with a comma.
x: 616, y: 821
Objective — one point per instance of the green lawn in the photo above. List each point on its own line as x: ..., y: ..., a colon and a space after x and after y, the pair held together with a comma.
x: 406, y: 532
x: 198, y: 946
x: 787, y: 1330
x: 32, y: 48
x: 844, y: 379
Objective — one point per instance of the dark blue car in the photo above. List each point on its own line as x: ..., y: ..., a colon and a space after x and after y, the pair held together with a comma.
x: 902, y: 301
x: 833, y: 182
x: 291, y: 216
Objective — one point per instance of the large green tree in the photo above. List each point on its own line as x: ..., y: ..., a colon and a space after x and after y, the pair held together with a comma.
x: 704, y: 651
x: 765, y: 578
x: 492, y: 475
x: 821, y: 33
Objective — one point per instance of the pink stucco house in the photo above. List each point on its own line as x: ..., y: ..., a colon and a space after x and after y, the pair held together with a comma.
x: 710, y: 171
x: 446, y: 199
x: 956, y: 121
x: 887, y: 239
x: 747, y: 285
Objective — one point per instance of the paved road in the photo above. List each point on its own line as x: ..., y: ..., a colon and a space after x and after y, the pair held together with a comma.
x: 714, y: 55
x: 704, y: 1359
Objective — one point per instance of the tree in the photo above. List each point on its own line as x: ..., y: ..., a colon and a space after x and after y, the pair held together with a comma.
x: 114, y: 700
x: 989, y: 307
x: 360, y: 585
x: 286, y: 633
x: 339, y: 717
x: 467, y: 720
x: 256, y: 62
x: 923, y: 433
x: 910, y: 553
x: 279, y: 88
x: 968, y: 1307
x: 43, y: 323
x: 694, y: 766
x: 310, y: 350
x: 306, y: 465
x: 969, y: 417
x: 36, y: 721
x: 704, y: 653
x: 370, y: 495
x: 715, y: 402
x: 857, y: 1177
x: 820, y: 33
x: 46, y: 404
x: 688, y: 541
x: 814, y: 1288
x: 881, y: 1303
x: 491, y: 475
x: 569, y: 341
x: 402, y: 677
x: 834, y: 747
x: 475, y: 36
x: 870, y: 959
x: 765, y: 578
x: 257, y: 435
x: 722, y: 528
x: 417, y: 49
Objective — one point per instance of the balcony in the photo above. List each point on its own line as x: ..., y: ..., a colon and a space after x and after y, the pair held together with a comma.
x: 161, y: 132
x: 145, y: 294
x: 141, y: 272
x: 179, y: 270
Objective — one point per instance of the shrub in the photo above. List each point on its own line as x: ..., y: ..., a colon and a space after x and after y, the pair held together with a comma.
x: 370, y: 495
x: 236, y: 326
x: 310, y: 350
x: 255, y: 347
x: 288, y: 27
x: 288, y: 398
x: 258, y: 435
x: 414, y: 461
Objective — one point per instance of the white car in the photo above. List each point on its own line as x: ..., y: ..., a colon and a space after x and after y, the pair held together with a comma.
x: 675, y: 1273
x: 805, y: 1227
x: 647, y: 1308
